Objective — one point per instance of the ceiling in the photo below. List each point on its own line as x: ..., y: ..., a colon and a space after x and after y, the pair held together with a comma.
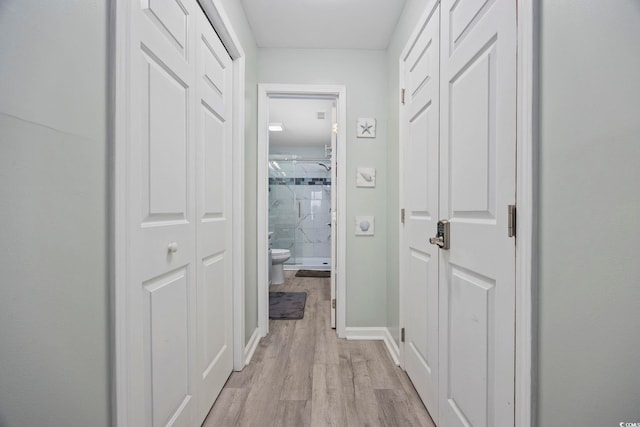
x: 299, y: 116
x: 317, y: 24
x: 323, y: 24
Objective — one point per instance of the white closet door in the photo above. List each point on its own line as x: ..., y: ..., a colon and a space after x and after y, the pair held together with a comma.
x: 213, y: 207
x: 419, y: 259
x: 178, y: 274
x: 477, y: 170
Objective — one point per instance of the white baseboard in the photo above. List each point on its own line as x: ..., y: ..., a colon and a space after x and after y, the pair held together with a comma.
x: 380, y: 333
x: 392, y: 347
x: 251, y: 346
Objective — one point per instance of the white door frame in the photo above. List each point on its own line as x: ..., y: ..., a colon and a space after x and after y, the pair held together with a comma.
x: 526, y: 224
x: 120, y: 122
x: 526, y: 198
x: 264, y: 92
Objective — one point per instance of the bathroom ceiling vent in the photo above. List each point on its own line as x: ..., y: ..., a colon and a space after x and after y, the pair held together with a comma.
x: 320, y: 115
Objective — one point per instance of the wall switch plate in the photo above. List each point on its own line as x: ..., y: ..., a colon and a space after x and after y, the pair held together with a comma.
x: 364, y: 225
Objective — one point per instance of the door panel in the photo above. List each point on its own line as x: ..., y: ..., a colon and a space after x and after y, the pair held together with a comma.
x: 459, y: 164
x: 213, y: 144
x: 477, y: 275
x: 213, y: 309
x: 472, y: 146
x: 213, y: 205
x: 419, y: 260
x: 179, y: 306
x: 161, y: 299
x: 462, y: 17
x: 167, y: 332
x: 471, y: 309
x: 171, y: 17
x: 167, y: 143
x: 426, y: 354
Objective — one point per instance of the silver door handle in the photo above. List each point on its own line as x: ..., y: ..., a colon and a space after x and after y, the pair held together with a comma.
x: 438, y: 241
x: 441, y: 239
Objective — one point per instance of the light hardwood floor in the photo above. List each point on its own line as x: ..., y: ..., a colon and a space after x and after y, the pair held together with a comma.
x: 303, y: 375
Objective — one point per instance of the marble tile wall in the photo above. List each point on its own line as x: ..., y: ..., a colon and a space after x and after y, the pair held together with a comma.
x: 300, y: 208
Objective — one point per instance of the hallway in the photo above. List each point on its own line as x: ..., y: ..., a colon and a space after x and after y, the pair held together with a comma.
x: 303, y: 375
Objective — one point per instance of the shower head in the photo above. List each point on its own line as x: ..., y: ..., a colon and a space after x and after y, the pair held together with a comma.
x: 328, y: 168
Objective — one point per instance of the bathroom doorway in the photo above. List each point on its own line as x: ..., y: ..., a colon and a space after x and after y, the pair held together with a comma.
x: 300, y: 188
x: 300, y: 184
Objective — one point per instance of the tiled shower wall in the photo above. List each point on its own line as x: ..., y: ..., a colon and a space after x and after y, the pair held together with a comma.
x: 299, y: 208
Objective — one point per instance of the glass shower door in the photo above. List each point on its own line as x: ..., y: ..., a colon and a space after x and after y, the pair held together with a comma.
x: 300, y: 210
x: 284, y: 207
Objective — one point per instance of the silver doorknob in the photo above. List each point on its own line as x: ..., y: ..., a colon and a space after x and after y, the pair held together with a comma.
x: 173, y: 247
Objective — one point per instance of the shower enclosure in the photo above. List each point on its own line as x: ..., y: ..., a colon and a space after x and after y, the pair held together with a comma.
x: 300, y: 210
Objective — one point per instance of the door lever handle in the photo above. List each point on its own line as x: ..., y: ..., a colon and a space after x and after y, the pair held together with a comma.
x: 441, y: 239
x: 438, y: 241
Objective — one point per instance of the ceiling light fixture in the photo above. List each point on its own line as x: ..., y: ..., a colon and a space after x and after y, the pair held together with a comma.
x: 276, y: 127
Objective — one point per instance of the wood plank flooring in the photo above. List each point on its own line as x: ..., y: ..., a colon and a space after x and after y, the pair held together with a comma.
x: 303, y: 375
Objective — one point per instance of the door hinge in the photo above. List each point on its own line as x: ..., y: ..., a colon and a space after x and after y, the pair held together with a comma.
x: 402, y: 215
x: 333, y: 303
x: 402, y: 335
x: 512, y: 221
x: 402, y: 91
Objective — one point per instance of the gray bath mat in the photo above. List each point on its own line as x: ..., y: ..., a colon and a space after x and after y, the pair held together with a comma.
x: 313, y: 273
x: 287, y: 305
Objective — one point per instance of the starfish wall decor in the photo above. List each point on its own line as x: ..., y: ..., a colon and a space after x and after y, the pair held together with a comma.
x: 366, y: 128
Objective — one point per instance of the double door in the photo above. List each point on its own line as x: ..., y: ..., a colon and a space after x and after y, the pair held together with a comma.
x: 458, y: 151
x: 179, y: 284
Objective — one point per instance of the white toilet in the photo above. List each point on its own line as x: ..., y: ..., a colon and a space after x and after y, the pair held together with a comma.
x: 278, y: 257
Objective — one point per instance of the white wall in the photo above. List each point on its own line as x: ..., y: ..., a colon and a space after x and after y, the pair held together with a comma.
x: 364, y: 73
x: 412, y: 12
x: 238, y: 21
x: 54, y: 295
x: 589, y: 290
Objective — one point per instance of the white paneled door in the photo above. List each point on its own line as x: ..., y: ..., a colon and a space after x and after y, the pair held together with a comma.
x: 213, y: 214
x: 421, y: 66
x: 477, y: 184
x: 179, y: 309
x: 470, y: 365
